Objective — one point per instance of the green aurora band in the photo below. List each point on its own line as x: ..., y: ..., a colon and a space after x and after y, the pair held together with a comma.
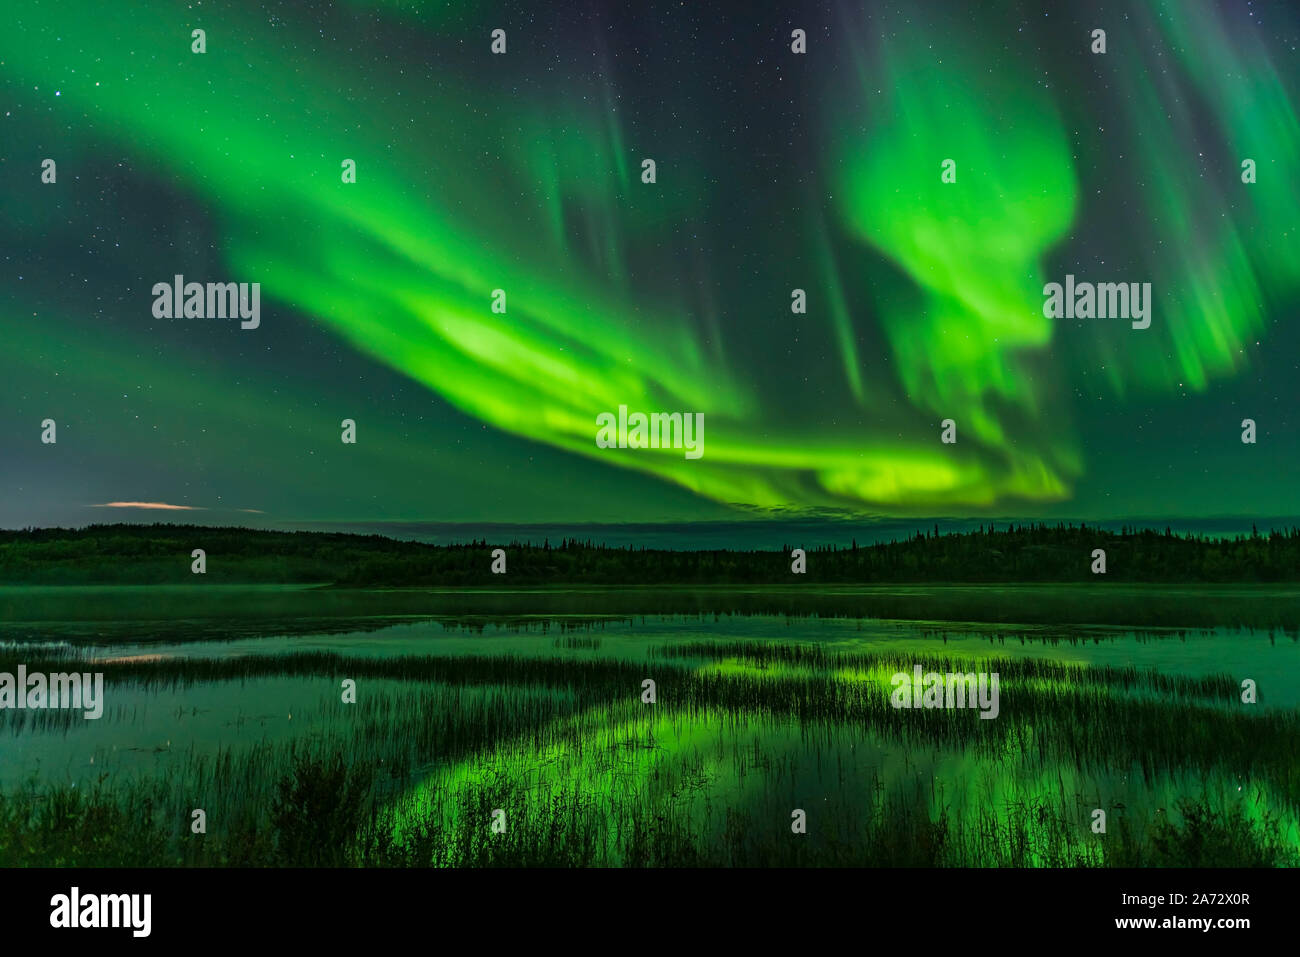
x: 539, y: 194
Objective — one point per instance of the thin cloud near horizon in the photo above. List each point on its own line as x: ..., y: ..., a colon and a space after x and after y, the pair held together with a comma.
x: 167, y: 507
x: 155, y: 505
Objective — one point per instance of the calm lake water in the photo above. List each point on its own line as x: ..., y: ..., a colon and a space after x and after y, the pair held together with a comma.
x: 694, y: 761
x: 142, y: 728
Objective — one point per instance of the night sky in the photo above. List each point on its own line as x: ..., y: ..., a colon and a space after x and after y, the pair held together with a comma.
x: 775, y: 171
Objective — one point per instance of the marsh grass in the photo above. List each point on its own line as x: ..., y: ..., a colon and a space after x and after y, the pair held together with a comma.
x: 578, y: 642
x: 741, y: 733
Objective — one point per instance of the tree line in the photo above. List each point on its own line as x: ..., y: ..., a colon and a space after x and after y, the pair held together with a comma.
x: 1034, y: 552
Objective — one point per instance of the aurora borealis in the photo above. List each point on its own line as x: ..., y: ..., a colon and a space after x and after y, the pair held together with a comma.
x: 522, y: 172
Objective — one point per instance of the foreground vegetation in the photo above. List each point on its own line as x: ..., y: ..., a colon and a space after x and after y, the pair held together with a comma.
x: 741, y: 734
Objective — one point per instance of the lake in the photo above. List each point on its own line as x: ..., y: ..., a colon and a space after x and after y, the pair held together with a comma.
x: 514, y: 727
